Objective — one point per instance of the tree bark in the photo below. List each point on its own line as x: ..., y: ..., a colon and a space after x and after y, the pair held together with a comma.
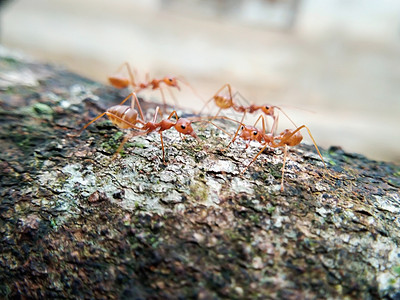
x: 76, y: 224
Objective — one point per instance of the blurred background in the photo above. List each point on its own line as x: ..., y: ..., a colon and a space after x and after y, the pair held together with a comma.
x: 333, y: 65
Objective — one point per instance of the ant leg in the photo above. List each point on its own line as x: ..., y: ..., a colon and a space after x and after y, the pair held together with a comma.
x: 242, y: 97
x: 230, y: 93
x: 133, y: 83
x: 286, y: 138
x: 121, y: 66
x: 236, y: 133
x: 124, y: 64
x: 128, y: 67
x: 107, y: 113
x: 172, y: 96
x: 224, y: 131
x: 126, y: 138
x: 183, y: 80
x: 162, y: 147
x: 267, y: 126
x: 104, y: 113
x: 172, y: 114
x: 223, y: 118
x: 226, y: 85
x: 275, y: 125
x: 254, y: 159
x: 131, y: 125
x: 133, y: 104
x: 315, y: 144
x: 283, y: 167
x: 133, y: 94
x: 205, y: 105
x: 261, y: 117
x: 286, y: 115
x: 127, y: 98
x: 163, y: 99
x: 156, y: 113
x: 120, y: 81
x: 86, y: 126
x: 219, y: 110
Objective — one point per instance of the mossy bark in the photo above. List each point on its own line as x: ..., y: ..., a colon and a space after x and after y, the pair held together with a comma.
x: 76, y: 224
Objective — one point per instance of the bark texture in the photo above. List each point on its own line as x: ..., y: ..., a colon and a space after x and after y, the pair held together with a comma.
x: 76, y: 224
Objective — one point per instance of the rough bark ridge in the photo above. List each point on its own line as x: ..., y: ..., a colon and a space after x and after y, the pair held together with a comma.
x: 75, y: 224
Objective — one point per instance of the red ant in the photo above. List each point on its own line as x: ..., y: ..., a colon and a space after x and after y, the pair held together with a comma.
x: 119, y: 81
x: 286, y: 138
x: 226, y: 102
x: 126, y: 117
x: 182, y: 125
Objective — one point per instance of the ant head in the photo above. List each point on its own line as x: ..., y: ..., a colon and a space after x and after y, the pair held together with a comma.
x: 251, y: 133
x: 184, y: 126
x: 171, y: 81
x: 268, y: 109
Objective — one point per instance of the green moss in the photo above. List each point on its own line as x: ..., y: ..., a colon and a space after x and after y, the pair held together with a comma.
x: 396, y: 270
x: 255, y: 218
x: 234, y: 235
x: 117, y: 135
x: 104, y: 124
x: 270, y: 209
x: 310, y: 243
x: 4, y: 291
x: 135, y: 144
x: 199, y: 191
x: 42, y: 109
x: 394, y: 182
x: 329, y: 161
x: 10, y: 61
x: 22, y: 141
x: 276, y: 170
x: 28, y: 139
x: 112, y: 144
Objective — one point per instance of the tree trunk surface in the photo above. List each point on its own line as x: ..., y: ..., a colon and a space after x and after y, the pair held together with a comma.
x: 76, y: 224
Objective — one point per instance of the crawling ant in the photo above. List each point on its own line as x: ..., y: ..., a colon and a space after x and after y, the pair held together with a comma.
x: 225, y: 102
x: 120, y: 81
x: 288, y: 137
x: 182, y: 125
x: 126, y: 117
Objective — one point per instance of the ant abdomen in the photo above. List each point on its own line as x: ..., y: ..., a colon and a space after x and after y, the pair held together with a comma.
x: 122, y: 116
x: 119, y: 81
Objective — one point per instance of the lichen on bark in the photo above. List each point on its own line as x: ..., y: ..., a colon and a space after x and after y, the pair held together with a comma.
x: 76, y: 224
